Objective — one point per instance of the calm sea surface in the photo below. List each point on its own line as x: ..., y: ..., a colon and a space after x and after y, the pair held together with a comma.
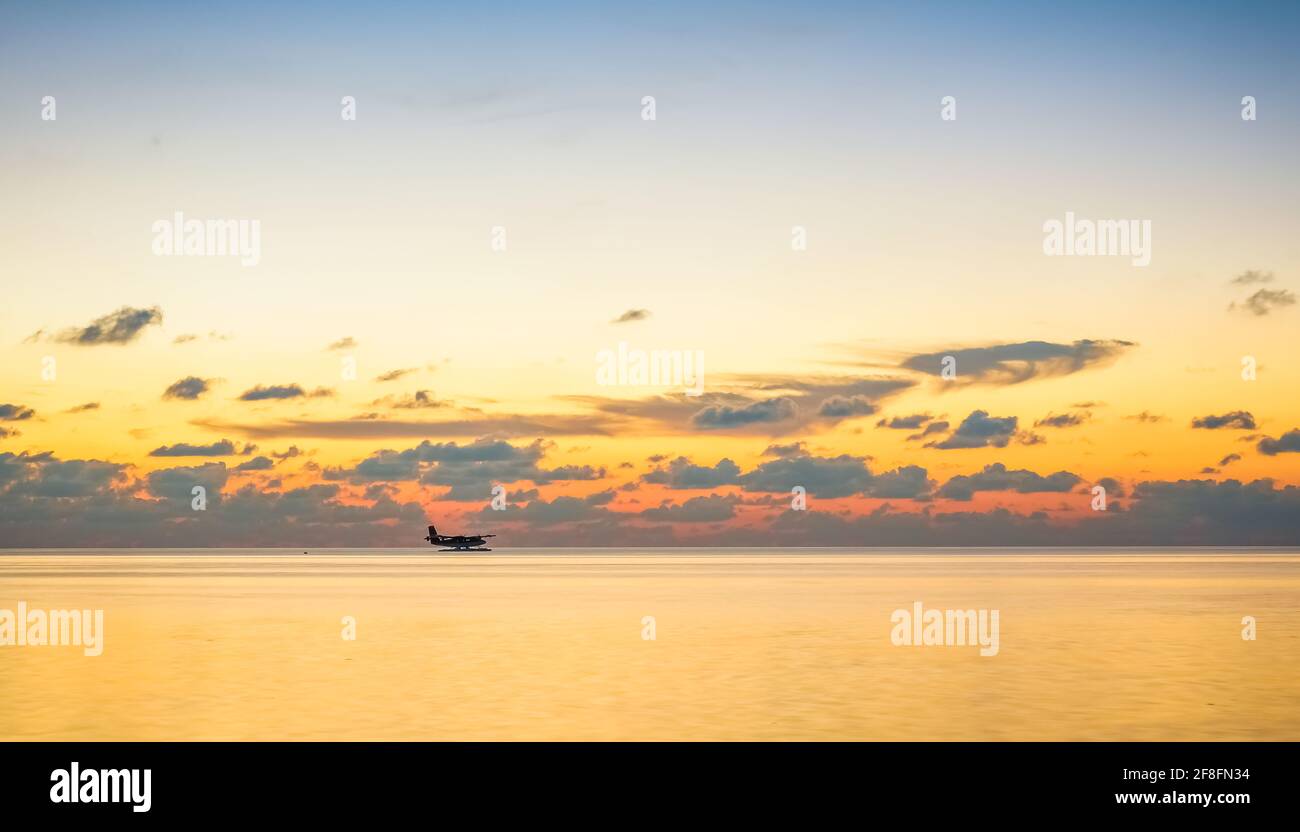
x: 748, y: 644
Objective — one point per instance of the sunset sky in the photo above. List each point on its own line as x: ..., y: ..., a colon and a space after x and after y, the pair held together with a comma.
x: 476, y: 366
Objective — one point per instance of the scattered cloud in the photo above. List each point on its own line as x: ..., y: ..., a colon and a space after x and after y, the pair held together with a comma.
x: 120, y: 327
x: 632, y: 315
x: 223, y: 447
x: 15, y: 413
x: 1264, y: 301
x: 281, y: 391
x: 188, y: 388
x: 1287, y: 443
x: 1236, y: 420
x: 1248, y: 278
x: 979, y: 430
x: 1004, y: 364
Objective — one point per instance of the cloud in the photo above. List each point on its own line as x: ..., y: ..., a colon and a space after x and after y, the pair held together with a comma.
x: 632, y: 315
x: 792, y: 449
x: 507, y: 426
x: 394, y: 375
x: 1148, y: 417
x: 15, y: 413
x: 1287, y: 443
x: 837, y: 408
x: 120, y: 327
x: 828, y: 477
x: 257, y: 463
x: 979, y: 430
x: 908, y: 482
x: 1229, y: 459
x: 541, y: 513
x: 41, y: 476
x: 997, y: 477
x: 1063, y: 420
x: 779, y: 409
x: 342, y: 344
x: 281, y: 391
x: 223, y: 447
x: 709, y: 509
x: 1265, y: 301
x: 188, y: 388
x: 470, y: 470
x: 1016, y: 363
x: 750, y: 404
x: 930, y: 430
x: 1236, y: 420
x: 83, y: 408
x: 905, y: 422
x: 681, y: 473
x: 419, y: 400
x: 1250, y: 277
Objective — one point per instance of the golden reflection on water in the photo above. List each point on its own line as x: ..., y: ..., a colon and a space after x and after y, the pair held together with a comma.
x: 750, y: 644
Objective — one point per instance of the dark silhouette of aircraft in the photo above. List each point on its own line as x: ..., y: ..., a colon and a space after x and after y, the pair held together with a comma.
x: 459, y: 542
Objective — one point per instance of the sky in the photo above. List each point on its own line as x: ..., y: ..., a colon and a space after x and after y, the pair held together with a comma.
x: 436, y: 278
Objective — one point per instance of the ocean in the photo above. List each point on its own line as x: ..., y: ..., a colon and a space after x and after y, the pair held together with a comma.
x: 657, y: 644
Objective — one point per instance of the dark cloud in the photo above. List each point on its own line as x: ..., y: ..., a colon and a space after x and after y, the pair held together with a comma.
x: 764, y: 405
x: 1147, y: 417
x: 33, y: 476
x: 837, y: 408
x: 681, y: 473
x: 1236, y: 420
x: 709, y: 509
x: 15, y: 413
x: 1229, y: 459
x: 120, y: 327
x: 84, y: 408
x: 1063, y: 420
x: 541, y: 513
x: 281, y: 391
x: 506, y: 426
x: 632, y: 315
x: 779, y: 409
x: 188, y: 388
x: 979, y: 430
x: 909, y: 482
x: 1265, y: 301
x: 1016, y: 363
x: 342, y: 344
x: 222, y: 448
x: 828, y: 477
x: 792, y: 449
x: 912, y: 422
x: 1287, y: 443
x: 930, y: 430
x: 997, y: 477
x: 257, y: 463
x: 470, y: 470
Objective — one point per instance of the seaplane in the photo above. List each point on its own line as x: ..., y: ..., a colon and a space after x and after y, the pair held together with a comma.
x: 459, y: 542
